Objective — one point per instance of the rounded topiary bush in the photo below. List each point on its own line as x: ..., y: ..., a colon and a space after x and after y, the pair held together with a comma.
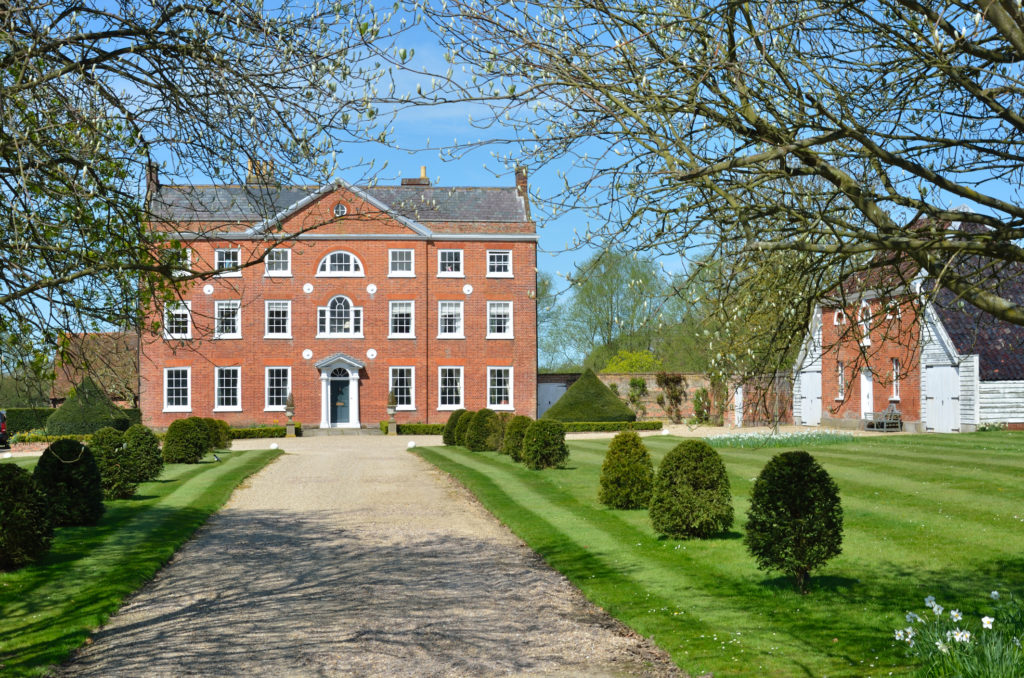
x: 117, y: 469
x: 448, y: 437
x: 186, y: 441
x: 26, y: 527
x: 483, y: 428
x: 87, y: 410
x: 225, y: 434
x: 627, y: 473
x: 216, y: 434
x: 208, y: 436
x: 795, y: 520
x: 143, y: 447
x: 462, y: 428
x: 497, y: 439
x: 512, y: 445
x: 544, y: 444
x: 69, y: 477
x: 691, y: 495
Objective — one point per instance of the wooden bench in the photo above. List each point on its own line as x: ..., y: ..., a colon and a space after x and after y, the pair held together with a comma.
x: 889, y: 419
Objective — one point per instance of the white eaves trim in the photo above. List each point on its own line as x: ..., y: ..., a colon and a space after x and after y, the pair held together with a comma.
x: 460, y: 237
x: 261, y: 227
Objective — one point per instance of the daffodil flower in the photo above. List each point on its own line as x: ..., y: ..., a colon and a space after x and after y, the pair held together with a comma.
x: 986, y: 622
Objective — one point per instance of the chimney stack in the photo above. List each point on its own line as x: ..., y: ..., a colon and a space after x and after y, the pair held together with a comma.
x: 523, y: 189
x: 422, y: 180
x: 260, y: 172
x: 152, y: 179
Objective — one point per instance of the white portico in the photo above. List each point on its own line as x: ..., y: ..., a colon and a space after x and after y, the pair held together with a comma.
x: 339, y: 391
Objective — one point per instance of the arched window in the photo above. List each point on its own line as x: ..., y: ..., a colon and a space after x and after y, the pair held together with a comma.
x: 339, y: 318
x: 340, y: 264
x: 339, y: 373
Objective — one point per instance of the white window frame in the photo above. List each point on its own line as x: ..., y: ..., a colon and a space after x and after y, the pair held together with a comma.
x: 358, y: 272
x: 839, y: 318
x: 179, y: 273
x: 187, y: 305
x: 895, y: 397
x: 412, y: 386
x: 864, y: 320
x: 507, y: 274
x: 188, y: 391
x: 841, y: 380
x: 461, y: 273
x: 462, y: 388
x: 510, y: 405
x: 511, y: 332
x: 217, y: 266
x: 353, y: 312
x: 267, y: 334
x: 217, y: 305
x: 462, y: 320
x: 216, y: 388
x: 277, y: 251
x: 412, y: 319
x: 267, y: 407
x: 392, y: 273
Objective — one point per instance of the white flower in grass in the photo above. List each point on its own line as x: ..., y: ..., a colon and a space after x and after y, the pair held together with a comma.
x: 942, y: 646
x: 949, y: 635
x: 909, y: 631
x: 929, y: 601
x: 995, y: 595
x: 937, y: 609
x: 910, y: 642
x: 955, y: 615
x: 986, y: 622
x: 961, y: 636
x: 911, y: 617
x: 899, y: 634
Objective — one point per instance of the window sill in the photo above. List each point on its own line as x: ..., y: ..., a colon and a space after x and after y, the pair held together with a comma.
x: 451, y: 275
x: 840, y: 399
x: 448, y: 408
x: 894, y: 400
x: 499, y: 336
x: 227, y: 409
x: 401, y: 275
x: 277, y: 336
x: 237, y: 274
x: 405, y: 408
x: 339, y: 336
x: 401, y: 336
x: 227, y: 336
x: 278, y: 275
x: 502, y: 408
x: 177, y: 337
x: 451, y: 336
x: 500, y: 275
x: 178, y: 409
x: 340, y: 275
x: 273, y: 409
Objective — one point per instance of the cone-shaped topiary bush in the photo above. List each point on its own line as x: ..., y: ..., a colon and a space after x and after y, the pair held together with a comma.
x: 691, y: 495
x: 117, y: 467
x: 544, y: 444
x: 627, y: 473
x: 462, y: 428
x: 87, y: 410
x: 483, y: 428
x: 26, y: 527
x: 143, y: 447
x: 67, y: 473
x: 512, y: 445
x: 186, y: 441
x: 795, y: 521
x: 448, y: 436
x: 588, y: 399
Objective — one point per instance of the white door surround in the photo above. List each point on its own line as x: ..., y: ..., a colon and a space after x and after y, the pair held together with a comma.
x: 335, y: 367
x: 942, y: 398
x: 867, y: 394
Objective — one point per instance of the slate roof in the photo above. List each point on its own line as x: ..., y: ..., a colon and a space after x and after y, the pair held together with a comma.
x: 423, y: 204
x: 999, y: 344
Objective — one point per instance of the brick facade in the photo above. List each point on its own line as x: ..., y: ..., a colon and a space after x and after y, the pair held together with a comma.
x: 375, y: 233
x: 892, y: 333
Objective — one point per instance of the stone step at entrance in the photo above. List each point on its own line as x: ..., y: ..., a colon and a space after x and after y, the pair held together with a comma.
x: 364, y: 431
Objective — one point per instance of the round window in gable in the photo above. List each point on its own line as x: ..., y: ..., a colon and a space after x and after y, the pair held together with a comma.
x: 340, y: 210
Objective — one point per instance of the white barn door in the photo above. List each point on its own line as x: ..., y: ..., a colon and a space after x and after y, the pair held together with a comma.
x: 737, y: 404
x: 810, y: 398
x: 867, y: 394
x: 942, y: 401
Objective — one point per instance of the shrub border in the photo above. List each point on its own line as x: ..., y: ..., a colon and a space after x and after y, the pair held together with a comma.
x: 605, y: 426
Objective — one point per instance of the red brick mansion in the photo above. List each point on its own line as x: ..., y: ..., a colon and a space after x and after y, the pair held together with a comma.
x: 427, y: 292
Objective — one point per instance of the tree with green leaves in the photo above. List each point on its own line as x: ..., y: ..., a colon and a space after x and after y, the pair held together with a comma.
x: 95, y: 96
x: 852, y: 139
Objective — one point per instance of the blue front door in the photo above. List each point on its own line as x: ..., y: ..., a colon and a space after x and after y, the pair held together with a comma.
x: 339, y: 401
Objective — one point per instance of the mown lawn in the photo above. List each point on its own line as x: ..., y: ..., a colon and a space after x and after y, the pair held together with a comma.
x: 938, y: 515
x: 49, y: 608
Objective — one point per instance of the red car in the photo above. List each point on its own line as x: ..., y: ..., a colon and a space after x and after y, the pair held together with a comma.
x: 4, y: 438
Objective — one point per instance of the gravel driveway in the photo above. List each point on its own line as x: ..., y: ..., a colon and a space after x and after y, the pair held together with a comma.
x: 349, y: 556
